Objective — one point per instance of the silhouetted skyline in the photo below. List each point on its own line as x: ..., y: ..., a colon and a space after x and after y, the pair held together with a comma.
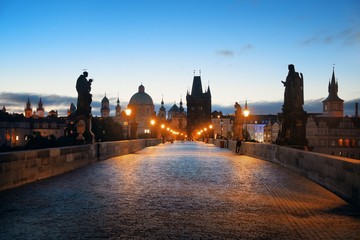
x: 241, y: 47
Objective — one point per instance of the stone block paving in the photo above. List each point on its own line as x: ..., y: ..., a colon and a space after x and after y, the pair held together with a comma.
x: 177, y: 191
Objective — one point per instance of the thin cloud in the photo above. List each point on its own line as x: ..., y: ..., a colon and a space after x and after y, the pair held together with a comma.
x: 246, y: 48
x: 225, y: 53
x: 310, y: 41
x: 15, y: 103
x: 347, y: 36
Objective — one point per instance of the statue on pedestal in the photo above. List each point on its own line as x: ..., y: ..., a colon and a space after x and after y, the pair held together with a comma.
x: 293, y: 117
x: 83, y: 111
x: 238, y: 122
x: 83, y: 87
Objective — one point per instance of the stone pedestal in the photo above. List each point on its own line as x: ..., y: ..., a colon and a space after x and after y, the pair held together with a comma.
x: 83, y: 128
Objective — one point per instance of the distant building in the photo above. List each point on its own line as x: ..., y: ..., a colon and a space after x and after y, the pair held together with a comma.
x: 198, y: 107
x: 105, y: 107
x: 40, y: 111
x: 53, y: 113
x: 334, y: 135
x: 162, y: 112
x: 177, y: 120
x: 222, y: 125
x: 14, y: 129
x: 28, y: 109
x: 262, y: 128
x: 333, y: 106
x: 331, y: 132
x: 71, y: 110
x: 142, y: 111
x: 49, y: 126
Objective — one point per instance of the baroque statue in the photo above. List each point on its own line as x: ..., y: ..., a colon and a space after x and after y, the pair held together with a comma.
x: 293, y: 117
x: 83, y: 111
x: 83, y: 87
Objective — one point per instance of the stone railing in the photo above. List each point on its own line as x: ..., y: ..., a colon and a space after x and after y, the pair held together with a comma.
x: 338, y: 174
x: 18, y: 168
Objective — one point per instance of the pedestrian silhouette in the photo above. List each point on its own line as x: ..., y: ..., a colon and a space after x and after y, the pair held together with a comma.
x: 238, y: 145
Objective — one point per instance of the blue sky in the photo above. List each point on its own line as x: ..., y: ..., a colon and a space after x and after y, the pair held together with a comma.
x: 241, y: 47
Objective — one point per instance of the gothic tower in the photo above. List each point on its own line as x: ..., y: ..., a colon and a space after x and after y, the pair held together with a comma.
x: 162, y: 111
x: 105, y: 109
x: 40, y: 109
x: 198, y: 107
x: 181, y: 109
x: 117, y: 108
x: 28, y: 109
x: 333, y: 106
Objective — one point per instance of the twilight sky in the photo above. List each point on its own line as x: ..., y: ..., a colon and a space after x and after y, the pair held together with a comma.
x: 242, y: 48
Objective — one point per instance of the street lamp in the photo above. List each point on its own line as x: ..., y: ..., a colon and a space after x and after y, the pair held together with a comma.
x: 152, y: 122
x: 162, y: 133
x: 211, y: 134
x: 128, y: 113
x: 246, y: 114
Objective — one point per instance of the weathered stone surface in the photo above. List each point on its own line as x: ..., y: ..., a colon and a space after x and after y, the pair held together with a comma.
x: 59, y: 160
x: 177, y: 191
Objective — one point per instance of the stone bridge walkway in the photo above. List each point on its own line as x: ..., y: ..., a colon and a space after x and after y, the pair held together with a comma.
x: 177, y: 191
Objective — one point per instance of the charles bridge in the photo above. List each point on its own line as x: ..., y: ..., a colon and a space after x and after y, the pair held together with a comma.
x: 187, y: 190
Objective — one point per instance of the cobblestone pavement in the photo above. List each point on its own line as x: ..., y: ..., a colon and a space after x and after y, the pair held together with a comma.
x: 177, y: 191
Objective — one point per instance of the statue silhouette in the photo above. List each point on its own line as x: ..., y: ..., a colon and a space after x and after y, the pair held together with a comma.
x: 294, y: 93
x: 293, y: 117
x: 83, y: 87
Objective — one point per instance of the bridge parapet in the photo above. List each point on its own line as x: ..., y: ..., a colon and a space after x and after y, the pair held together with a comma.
x: 338, y: 174
x: 21, y: 167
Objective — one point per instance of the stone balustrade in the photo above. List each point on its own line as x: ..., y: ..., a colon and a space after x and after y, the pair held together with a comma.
x: 21, y: 167
x: 338, y: 174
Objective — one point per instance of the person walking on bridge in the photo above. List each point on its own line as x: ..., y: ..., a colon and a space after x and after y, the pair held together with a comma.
x: 238, y: 145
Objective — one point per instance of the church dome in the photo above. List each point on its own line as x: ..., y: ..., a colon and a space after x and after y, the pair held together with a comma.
x: 141, y: 97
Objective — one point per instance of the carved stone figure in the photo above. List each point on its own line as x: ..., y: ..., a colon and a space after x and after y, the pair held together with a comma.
x: 83, y: 87
x: 238, y: 123
x: 294, y: 93
x: 293, y: 117
x: 83, y: 111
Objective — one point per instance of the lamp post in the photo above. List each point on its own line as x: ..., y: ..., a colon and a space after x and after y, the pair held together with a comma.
x: 128, y: 113
x: 246, y: 114
x: 152, y: 122
x: 162, y: 133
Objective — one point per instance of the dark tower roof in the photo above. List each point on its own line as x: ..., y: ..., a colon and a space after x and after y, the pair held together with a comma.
x: 174, y: 108
x: 28, y: 104
x: 196, y: 90
x: 40, y: 105
x: 333, y: 90
x: 105, y: 99
x: 181, y: 109
x: 162, y: 108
